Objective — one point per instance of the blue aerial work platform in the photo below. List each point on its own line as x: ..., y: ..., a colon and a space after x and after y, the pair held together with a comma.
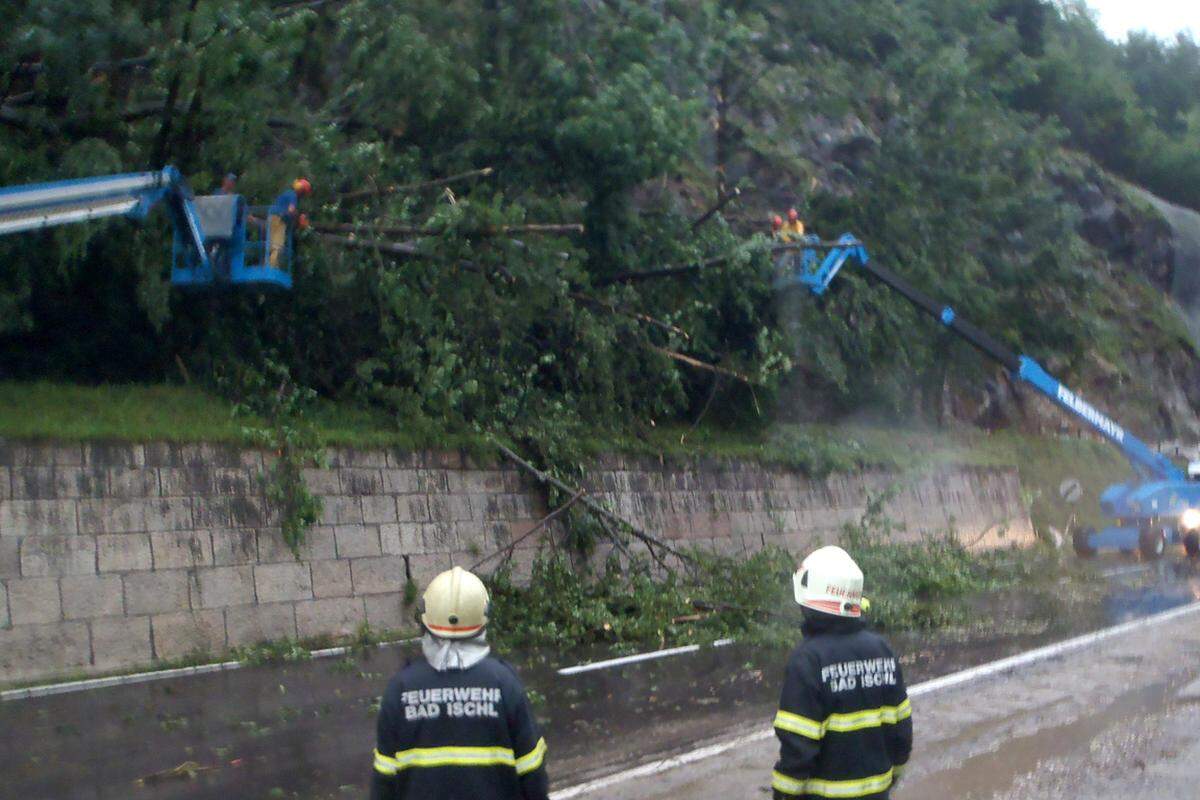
x: 1160, y: 507
x: 217, y: 239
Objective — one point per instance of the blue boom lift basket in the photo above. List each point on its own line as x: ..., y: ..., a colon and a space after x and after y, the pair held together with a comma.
x: 216, y: 239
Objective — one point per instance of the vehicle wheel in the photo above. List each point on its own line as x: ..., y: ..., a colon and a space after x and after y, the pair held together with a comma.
x: 1079, y: 540
x: 1152, y: 543
x: 1191, y: 544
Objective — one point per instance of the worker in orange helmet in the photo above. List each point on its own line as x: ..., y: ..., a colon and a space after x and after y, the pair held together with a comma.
x: 283, y: 214
x: 795, y: 227
x: 777, y: 230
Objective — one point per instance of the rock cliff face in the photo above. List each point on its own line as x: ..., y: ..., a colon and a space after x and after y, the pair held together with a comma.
x: 1144, y: 234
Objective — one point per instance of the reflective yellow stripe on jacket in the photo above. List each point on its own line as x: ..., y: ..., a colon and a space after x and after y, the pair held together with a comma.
x: 843, y: 723
x: 859, y: 787
x: 461, y: 757
x: 533, y: 759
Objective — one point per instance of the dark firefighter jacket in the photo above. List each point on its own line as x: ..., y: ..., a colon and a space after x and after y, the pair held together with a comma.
x: 844, y: 720
x: 463, y: 734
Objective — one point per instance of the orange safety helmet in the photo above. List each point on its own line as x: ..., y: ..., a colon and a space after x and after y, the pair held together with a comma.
x: 302, y: 186
x: 793, y: 215
x: 776, y: 221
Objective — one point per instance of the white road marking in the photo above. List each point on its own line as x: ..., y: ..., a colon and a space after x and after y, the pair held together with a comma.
x: 156, y: 675
x: 623, y: 660
x: 1114, y: 572
x: 925, y: 687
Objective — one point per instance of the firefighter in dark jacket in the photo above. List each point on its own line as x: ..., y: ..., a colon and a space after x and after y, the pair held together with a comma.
x: 844, y: 722
x: 456, y: 725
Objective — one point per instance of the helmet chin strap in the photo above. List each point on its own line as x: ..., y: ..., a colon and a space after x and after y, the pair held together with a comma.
x: 447, y: 654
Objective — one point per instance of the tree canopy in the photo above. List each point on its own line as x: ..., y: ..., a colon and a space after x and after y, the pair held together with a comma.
x: 936, y: 130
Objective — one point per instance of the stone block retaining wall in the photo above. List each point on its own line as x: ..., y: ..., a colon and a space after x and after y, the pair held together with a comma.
x: 116, y: 555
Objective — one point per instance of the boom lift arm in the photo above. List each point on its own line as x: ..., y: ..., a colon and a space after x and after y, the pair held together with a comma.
x: 133, y: 195
x: 817, y: 278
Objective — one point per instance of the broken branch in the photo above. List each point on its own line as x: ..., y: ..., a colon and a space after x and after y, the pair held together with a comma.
x: 377, y: 191
x: 628, y: 312
x: 418, y: 230
x: 698, y: 364
x: 544, y: 477
x: 721, y: 203
x: 543, y: 522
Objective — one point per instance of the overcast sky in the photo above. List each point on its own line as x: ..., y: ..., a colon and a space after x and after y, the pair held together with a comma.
x: 1164, y: 18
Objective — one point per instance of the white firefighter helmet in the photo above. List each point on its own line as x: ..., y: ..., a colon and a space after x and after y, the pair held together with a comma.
x: 455, y: 605
x: 829, y: 581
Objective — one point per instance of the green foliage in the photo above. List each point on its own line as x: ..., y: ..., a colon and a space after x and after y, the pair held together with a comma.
x: 629, y: 606
x: 924, y: 584
x: 276, y: 652
x: 624, y: 116
x: 274, y: 408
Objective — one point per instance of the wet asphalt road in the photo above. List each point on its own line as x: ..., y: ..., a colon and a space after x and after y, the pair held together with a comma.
x: 1119, y: 720
x: 304, y: 730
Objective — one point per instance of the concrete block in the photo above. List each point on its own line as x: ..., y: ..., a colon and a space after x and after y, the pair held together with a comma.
x: 379, y: 508
x: 210, y: 512
x: 361, y: 481
x: 378, y: 575
x: 10, y: 557
x: 452, y: 508
x: 90, y: 596
x: 34, y: 600
x: 355, y: 541
x: 434, y: 481
x: 218, y: 587
x: 248, y: 625
x: 319, y: 543
x: 353, y: 457
x: 272, y: 549
x: 333, y: 616
x: 439, y: 537
x: 5, y: 619
x: 181, y: 549
x: 58, y: 555
x: 402, y: 481
x: 145, y: 514
x: 230, y: 547
x: 188, y: 632
x: 124, y: 552
x: 322, y: 481
x: 113, y: 454
x: 341, y: 511
x: 37, y: 651
x: 121, y: 642
x: 413, y: 508
x: 274, y: 582
x: 401, y: 539
x: 157, y: 592
x: 251, y: 512
x: 39, y: 454
x: 37, y: 518
x: 208, y: 480
x: 133, y: 482
x: 387, y: 612
x: 481, y: 481
x: 331, y: 579
x: 56, y: 483
x: 425, y: 568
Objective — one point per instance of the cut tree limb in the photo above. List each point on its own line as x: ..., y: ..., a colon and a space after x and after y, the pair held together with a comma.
x: 545, y: 477
x: 417, y: 230
x: 628, y: 312
x: 543, y: 522
x: 722, y: 201
x: 378, y: 191
x: 698, y: 364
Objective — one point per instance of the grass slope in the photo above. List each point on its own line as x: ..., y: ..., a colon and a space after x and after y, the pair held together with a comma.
x: 176, y: 413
